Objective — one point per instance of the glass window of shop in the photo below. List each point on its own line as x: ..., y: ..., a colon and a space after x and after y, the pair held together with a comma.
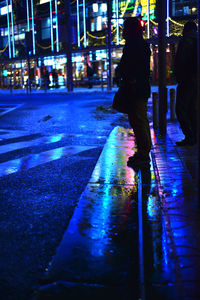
x: 45, y: 29
x: 183, y: 8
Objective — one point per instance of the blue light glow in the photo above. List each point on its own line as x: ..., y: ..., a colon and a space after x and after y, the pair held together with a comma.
x: 51, y: 20
x: 168, y: 18
x: 13, y: 34
x: 78, y: 23
x: 8, y: 24
x: 57, y: 37
x: 117, y: 23
x: 84, y: 25
x: 27, y: 12
x: 33, y: 27
x: 148, y: 21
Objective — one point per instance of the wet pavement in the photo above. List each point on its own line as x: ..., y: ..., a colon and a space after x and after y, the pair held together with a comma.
x: 133, y: 234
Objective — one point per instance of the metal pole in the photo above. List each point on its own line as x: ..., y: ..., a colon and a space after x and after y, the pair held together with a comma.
x: 51, y: 21
x: 155, y: 110
x: 8, y: 23
x: 172, y: 105
x: 12, y: 24
x: 117, y: 23
x: 69, y: 45
x: 168, y: 33
x: 162, y: 66
x: 109, y: 40
x: 33, y: 26
x: 78, y: 23
x: 27, y: 12
x: 148, y: 19
x: 57, y: 34
x: 84, y: 26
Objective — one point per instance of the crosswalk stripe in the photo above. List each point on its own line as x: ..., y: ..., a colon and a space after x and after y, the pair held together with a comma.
x: 35, y: 142
x: 8, y: 108
x: 33, y: 160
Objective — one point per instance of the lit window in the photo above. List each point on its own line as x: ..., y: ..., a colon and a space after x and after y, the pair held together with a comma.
x: 99, y: 23
x: 92, y: 25
x: 104, y: 7
x: 44, y: 1
x: 95, y: 7
x: 194, y: 9
x: 4, y: 10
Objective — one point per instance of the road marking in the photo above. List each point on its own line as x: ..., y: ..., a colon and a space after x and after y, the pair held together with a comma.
x: 26, y: 144
x: 34, y: 160
x: 6, y: 108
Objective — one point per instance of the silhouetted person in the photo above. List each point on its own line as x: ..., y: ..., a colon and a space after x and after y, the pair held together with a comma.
x: 117, y: 78
x: 135, y: 72
x: 90, y: 73
x: 185, y: 69
x: 55, y: 78
x: 46, y: 79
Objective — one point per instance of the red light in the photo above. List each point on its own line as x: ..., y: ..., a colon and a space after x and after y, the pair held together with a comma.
x: 142, y: 23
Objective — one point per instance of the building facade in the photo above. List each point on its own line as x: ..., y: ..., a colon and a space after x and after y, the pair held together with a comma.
x: 33, y: 38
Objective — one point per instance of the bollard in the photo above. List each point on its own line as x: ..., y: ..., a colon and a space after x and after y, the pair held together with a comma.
x: 155, y: 110
x: 11, y: 87
x: 102, y: 81
x: 27, y: 86
x: 172, y: 105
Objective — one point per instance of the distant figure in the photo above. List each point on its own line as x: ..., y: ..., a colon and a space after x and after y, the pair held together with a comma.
x: 117, y: 77
x: 55, y: 78
x: 185, y: 69
x: 90, y: 73
x: 46, y: 79
x: 135, y: 72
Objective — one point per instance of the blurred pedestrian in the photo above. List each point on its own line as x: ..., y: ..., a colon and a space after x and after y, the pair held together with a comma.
x: 117, y: 77
x: 55, y: 78
x: 185, y: 69
x: 135, y: 72
x: 90, y: 74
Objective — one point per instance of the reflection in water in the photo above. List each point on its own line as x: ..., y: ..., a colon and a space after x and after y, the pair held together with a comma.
x: 101, y: 241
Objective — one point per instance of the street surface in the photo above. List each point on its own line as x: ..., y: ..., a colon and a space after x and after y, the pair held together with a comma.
x: 49, y: 145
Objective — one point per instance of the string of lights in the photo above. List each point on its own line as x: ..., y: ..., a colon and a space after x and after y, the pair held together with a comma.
x: 4, y: 49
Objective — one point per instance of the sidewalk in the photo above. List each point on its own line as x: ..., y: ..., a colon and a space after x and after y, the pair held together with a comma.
x: 133, y: 234
x: 63, y: 90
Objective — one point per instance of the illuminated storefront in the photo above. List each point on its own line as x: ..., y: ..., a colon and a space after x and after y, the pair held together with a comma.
x: 41, y: 27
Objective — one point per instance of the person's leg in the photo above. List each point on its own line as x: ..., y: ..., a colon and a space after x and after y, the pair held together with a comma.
x: 140, y: 124
x: 183, y: 105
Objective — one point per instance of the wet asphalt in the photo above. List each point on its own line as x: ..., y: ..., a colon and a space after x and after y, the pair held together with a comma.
x: 49, y: 145
x: 66, y: 189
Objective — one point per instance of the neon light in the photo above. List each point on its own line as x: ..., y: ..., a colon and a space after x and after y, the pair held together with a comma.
x: 84, y: 25
x: 4, y: 10
x: 57, y: 37
x: 8, y: 23
x: 117, y: 15
x: 27, y: 12
x: 148, y: 20
x: 168, y: 18
x: 78, y: 23
x: 33, y: 28
x: 13, y: 34
x: 51, y: 20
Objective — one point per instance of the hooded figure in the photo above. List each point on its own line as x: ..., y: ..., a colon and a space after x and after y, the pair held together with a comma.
x: 134, y: 68
x: 185, y: 69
